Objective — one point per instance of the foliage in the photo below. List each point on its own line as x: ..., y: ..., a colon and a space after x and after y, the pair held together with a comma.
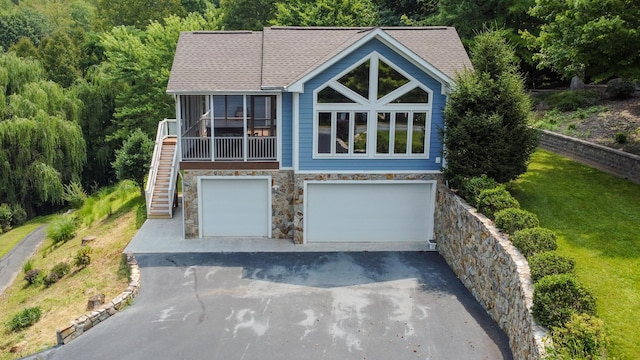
x: 326, y: 13
x: 486, y: 117
x: 5, y: 218
x: 557, y: 297
x: 32, y: 277
x: 471, y: 188
x: 571, y: 100
x: 24, y: 319
x: 405, y: 12
x: 246, y: 14
x: 83, y: 257
x: 511, y: 220
x: 620, y: 88
x: 18, y: 215
x: 490, y: 201
x: 582, y: 337
x: 141, y: 215
x: 133, y: 159
x: 60, y: 58
x: 137, y: 13
x: 28, y: 265
x: 549, y: 263
x: 41, y: 117
x: 534, y: 240
x: 62, y: 229
x: 138, y: 64
x: 621, y: 138
x: 22, y: 23
x: 594, y: 38
x: 58, y: 271
x: 74, y: 194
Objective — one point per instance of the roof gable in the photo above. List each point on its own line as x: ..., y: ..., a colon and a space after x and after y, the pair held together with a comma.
x: 285, y: 57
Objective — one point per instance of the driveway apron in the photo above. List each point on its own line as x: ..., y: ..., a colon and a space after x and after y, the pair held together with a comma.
x: 345, y: 305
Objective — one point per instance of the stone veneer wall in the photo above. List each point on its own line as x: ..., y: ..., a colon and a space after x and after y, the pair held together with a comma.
x: 491, y: 268
x: 601, y: 157
x: 85, y: 322
x: 281, y: 199
x: 298, y: 199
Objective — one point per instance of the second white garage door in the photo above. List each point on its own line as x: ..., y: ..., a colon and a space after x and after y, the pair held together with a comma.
x: 354, y: 211
x: 235, y: 207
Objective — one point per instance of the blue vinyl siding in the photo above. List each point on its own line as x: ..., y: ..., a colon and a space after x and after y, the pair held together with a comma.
x: 306, y: 161
x: 287, y: 130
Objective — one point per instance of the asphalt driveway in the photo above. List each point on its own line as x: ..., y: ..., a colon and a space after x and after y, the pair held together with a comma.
x: 361, y: 305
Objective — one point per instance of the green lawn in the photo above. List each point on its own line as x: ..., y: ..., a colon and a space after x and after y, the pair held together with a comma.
x: 9, y: 239
x: 597, y: 219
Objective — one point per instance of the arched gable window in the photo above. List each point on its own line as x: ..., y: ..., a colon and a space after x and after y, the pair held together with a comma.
x: 373, y: 109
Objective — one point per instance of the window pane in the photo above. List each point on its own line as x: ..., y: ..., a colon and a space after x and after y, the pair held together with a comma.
x: 382, y: 133
x: 342, y: 133
x: 358, y: 80
x: 324, y: 133
x: 418, y: 133
x: 415, y: 96
x: 330, y: 95
x: 400, y: 134
x: 388, y: 79
x: 360, y: 134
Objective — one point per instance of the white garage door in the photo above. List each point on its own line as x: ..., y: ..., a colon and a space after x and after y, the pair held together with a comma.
x: 369, y: 212
x: 235, y: 207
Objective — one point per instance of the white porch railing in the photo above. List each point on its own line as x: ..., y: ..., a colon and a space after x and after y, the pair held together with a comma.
x: 166, y: 128
x: 229, y: 148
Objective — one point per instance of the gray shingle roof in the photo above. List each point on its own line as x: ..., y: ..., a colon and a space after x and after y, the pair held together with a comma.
x: 279, y: 56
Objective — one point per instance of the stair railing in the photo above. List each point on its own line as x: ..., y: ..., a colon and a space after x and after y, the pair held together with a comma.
x: 166, y: 128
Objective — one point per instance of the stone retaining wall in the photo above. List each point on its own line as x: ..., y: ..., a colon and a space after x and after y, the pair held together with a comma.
x: 493, y: 270
x: 601, y: 157
x: 93, y: 318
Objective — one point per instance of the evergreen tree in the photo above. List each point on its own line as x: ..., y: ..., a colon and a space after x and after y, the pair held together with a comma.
x: 134, y: 158
x: 486, y: 117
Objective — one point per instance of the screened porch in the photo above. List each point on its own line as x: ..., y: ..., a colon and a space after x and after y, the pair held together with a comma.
x: 228, y: 127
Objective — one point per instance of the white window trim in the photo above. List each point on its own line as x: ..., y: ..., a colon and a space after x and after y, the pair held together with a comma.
x: 372, y: 107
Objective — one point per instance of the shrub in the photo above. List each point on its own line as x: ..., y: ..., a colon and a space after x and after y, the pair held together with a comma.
x: 621, y: 138
x: 571, y: 100
x: 74, y: 194
x: 141, y: 215
x: 492, y: 200
x: 57, y: 272
x: 32, y: 277
x: 28, y: 265
x: 5, y: 218
x: 62, y: 229
x: 18, y: 215
x: 582, y: 337
x: 24, y: 319
x: 557, y: 297
x: 82, y: 258
x: 472, y: 187
x: 512, y: 219
x: 534, y: 240
x: 549, y: 263
x: 620, y: 88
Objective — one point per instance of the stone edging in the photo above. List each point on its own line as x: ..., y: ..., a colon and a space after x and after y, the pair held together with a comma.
x: 492, y: 269
x: 93, y: 318
x: 610, y: 160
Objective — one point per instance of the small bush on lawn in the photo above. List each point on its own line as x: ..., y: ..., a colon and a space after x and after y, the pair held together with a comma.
x: 620, y: 88
x: 571, y: 100
x: 534, y: 240
x: 18, y: 215
x: 32, y: 277
x: 492, y: 200
x: 621, y: 138
x: 62, y: 229
x: 557, y: 297
x: 512, y: 219
x: 24, y: 319
x: 57, y: 273
x: 74, y: 195
x: 471, y: 188
x: 28, y: 265
x: 83, y: 257
x: 582, y: 337
x: 5, y: 218
x: 549, y: 263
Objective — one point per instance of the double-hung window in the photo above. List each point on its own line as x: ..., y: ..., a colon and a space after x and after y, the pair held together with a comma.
x: 372, y: 110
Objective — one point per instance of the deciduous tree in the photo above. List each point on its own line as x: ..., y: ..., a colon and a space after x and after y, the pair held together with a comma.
x: 326, y: 13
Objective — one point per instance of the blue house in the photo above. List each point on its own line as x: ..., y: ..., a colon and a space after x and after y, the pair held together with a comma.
x: 310, y: 134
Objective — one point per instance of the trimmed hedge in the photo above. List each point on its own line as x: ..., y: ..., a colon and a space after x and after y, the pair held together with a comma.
x: 549, y: 263
x: 512, y: 219
x: 557, y: 297
x: 472, y: 187
x: 534, y: 240
x: 493, y: 200
x: 582, y: 337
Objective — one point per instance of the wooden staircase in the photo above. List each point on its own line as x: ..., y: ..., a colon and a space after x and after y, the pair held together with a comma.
x: 159, y: 208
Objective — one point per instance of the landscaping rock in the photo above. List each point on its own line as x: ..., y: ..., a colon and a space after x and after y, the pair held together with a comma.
x: 19, y: 347
x: 95, y: 301
x: 87, y: 240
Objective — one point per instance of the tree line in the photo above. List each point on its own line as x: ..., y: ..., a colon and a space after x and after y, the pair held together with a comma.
x: 78, y: 77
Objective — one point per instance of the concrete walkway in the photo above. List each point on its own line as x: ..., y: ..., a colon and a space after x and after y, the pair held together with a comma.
x: 12, y: 262
x: 157, y: 236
